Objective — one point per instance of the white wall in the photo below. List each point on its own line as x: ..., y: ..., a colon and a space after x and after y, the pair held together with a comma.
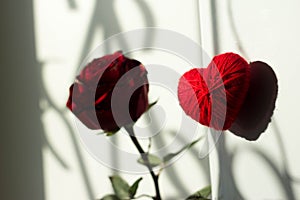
x: 67, y: 30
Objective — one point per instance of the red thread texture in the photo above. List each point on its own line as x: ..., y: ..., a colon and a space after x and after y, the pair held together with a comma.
x: 214, y: 95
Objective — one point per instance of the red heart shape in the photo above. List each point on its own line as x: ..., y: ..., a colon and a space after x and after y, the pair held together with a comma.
x: 214, y: 95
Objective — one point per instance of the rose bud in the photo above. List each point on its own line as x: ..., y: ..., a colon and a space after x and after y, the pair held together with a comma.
x: 110, y: 92
x: 230, y: 94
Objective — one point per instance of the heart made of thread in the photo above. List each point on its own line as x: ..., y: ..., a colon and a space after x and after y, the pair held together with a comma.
x: 214, y: 95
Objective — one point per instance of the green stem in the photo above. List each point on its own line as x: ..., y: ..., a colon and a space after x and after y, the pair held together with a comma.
x: 144, y: 156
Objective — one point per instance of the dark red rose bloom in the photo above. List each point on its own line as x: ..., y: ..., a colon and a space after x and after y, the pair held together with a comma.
x: 98, y: 96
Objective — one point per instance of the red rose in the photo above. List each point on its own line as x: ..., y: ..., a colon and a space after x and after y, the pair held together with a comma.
x: 93, y: 99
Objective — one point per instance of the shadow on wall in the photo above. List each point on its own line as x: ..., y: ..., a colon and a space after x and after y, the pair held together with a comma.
x: 21, y: 129
x: 21, y: 168
x: 103, y: 16
x: 228, y: 187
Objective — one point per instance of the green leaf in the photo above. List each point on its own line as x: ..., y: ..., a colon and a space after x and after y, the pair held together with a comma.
x: 132, y: 190
x: 120, y: 187
x: 202, y: 194
x: 110, y: 197
x: 110, y: 133
x: 153, y: 160
x: 151, y: 105
x: 172, y: 155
